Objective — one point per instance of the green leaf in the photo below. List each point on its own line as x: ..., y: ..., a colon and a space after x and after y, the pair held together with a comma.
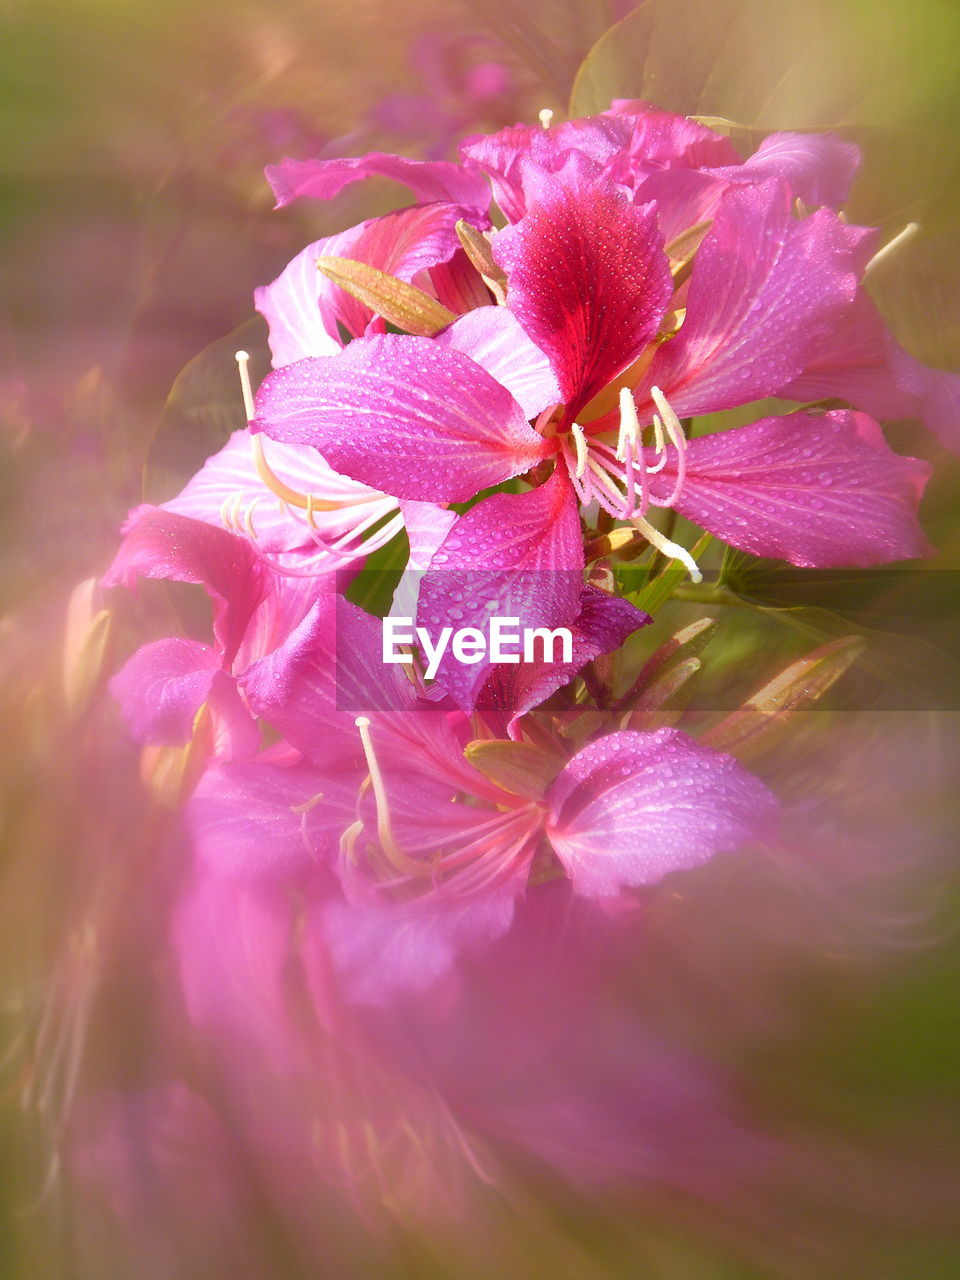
x: 373, y: 587
x: 881, y: 72
x: 795, y: 64
x: 203, y: 408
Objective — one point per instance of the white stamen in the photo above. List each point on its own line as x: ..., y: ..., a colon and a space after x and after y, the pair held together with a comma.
x: 607, y: 481
x: 629, y: 423
x: 546, y: 116
x: 670, y: 420
x: 669, y: 548
x: 248, y: 518
x: 225, y: 511
x: 376, y: 781
x: 674, y: 429
x: 580, y: 440
x: 658, y: 438
x: 243, y: 364
x: 395, y: 855
x: 909, y: 231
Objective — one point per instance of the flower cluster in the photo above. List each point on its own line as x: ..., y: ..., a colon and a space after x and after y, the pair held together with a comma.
x: 509, y: 388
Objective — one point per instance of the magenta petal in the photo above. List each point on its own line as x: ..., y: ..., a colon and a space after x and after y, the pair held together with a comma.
x: 632, y: 807
x: 664, y: 140
x: 162, y: 687
x: 403, y: 415
x: 232, y: 938
x: 867, y: 366
x: 511, y: 556
x: 329, y: 671
x: 683, y: 197
x: 160, y: 544
x: 256, y: 820
x: 492, y: 337
x: 602, y: 626
x: 818, y: 167
x: 429, y: 180
x: 228, y: 486
x: 587, y: 278
x: 303, y: 308
x: 516, y: 158
x: 427, y: 525
x: 819, y: 490
x: 765, y: 293
x: 382, y: 949
x: 294, y: 689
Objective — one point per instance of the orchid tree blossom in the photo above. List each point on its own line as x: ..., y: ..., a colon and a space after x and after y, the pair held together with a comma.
x: 590, y: 284
x: 295, y: 510
x: 422, y: 853
x: 685, y: 168
x: 165, y: 688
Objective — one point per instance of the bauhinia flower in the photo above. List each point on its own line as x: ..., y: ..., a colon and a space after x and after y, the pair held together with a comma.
x: 589, y: 281
x: 425, y: 842
x: 168, y: 684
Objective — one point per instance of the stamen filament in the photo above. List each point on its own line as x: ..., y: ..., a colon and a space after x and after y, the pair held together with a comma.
x: 304, y: 501
x: 901, y: 238
x: 629, y: 423
x: 243, y: 363
x: 580, y: 440
x: 672, y: 550
x: 394, y: 853
x: 674, y: 429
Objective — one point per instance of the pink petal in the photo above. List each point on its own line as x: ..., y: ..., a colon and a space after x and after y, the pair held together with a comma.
x: 512, y: 555
x: 228, y: 483
x: 765, y: 295
x: 632, y: 807
x: 493, y: 338
x: 295, y: 689
x: 516, y: 158
x: 429, y: 180
x: 867, y: 366
x: 603, y: 624
x: 404, y: 415
x: 382, y: 949
x: 251, y: 819
x: 303, y: 308
x: 663, y: 140
x: 160, y: 544
x: 162, y: 687
x: 683, y: 197
x: 458, y: 284
x: 232, y: 941
x: 818, y: 167
x: 427, y: 525
x: 819, y: 490
x: 330, y: 670
x: 587, y: 279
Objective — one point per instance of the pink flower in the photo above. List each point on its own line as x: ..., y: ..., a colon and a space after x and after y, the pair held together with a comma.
x: 408, y: 853
x: 589, y: 282
x: 164, y: 686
